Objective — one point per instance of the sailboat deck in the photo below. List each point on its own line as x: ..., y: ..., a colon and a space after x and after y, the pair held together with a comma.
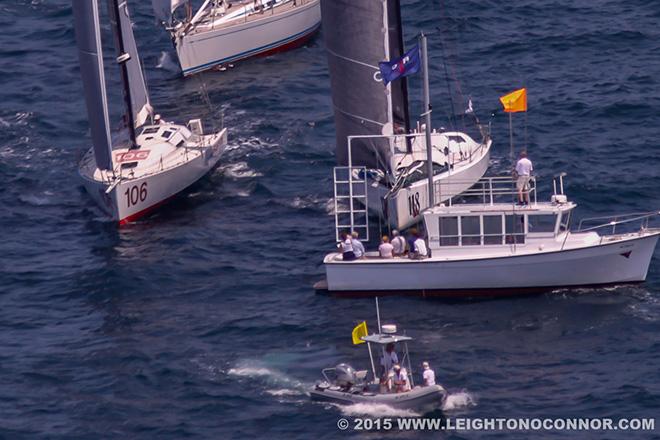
x: 161, y: 147
x: 216, y: 19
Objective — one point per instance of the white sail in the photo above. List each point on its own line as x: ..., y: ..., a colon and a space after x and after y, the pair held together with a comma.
x: 88, y: 40
x: 140, y: 104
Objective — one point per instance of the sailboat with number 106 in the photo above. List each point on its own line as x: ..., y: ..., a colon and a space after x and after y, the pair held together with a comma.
x: 129, y: 179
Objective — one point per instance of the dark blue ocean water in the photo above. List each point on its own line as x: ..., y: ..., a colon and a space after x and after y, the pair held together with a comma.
x: 200, y: 322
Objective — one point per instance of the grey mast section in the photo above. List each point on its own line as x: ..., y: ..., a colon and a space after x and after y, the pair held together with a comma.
x: 90, y: 54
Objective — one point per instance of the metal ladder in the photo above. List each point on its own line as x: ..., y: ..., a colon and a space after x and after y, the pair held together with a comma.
x: 350, y: 185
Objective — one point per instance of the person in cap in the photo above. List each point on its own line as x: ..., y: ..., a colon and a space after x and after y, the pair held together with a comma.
x: 398, y: 244
x: 428, y: 375
x: 400, y: 379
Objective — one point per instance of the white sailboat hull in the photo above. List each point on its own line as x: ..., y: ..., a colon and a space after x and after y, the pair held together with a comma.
x: 263, y: 35
x: 624, y: 260
x: 133, y: 198
x: 405, y: 207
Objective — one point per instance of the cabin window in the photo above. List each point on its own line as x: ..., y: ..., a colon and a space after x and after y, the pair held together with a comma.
x: 542, y: 223
x: 166, y: 134
x: 470, y: 231
x: 515, y: 229
x: 492, y: 229
x: 150, y: 130
x: 448, y: 231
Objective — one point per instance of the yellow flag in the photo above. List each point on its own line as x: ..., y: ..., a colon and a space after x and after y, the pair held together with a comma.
x: 515, y: 101
x: 359, y: 331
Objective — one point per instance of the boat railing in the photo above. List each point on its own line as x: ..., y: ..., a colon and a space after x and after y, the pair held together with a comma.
x: 614, y: 221
x: 397, y: 149
x: 487, y: 190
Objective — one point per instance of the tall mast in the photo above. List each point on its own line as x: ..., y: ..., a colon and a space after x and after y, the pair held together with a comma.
x: 404, y: 80
x: 427, y: 116
x: 122, y: 59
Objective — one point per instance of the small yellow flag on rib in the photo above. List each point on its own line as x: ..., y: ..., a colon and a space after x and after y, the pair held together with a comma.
x: 515, y: 101
x: 359, y: 331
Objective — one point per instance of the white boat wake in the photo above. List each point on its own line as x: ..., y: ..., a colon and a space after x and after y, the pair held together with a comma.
x: 166, y: 62
x: 278, y: 384
x: 374, y: 410
x: 459, y: 400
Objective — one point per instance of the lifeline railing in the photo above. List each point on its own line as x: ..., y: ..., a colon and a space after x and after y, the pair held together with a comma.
x: 490, y: 190
x: 615, y: 220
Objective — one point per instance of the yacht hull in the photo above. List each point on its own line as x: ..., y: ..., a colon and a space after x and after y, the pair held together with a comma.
x: 405, y: 206
x: 199, y: 51
x: 134, y: 198
x: 619, y: 261
x: 419, y: 399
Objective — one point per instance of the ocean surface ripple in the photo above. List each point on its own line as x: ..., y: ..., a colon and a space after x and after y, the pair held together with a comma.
x: 200, y: 321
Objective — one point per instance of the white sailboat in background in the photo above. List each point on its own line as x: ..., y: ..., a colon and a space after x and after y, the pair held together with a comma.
x: 224, y: 31
x: 160, y: 159
x: 381, y: 157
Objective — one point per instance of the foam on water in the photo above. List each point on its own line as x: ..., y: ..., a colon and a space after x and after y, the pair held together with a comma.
x: 239, y: 170
x: 274, y: 382
x: 321, y: 204
x: 166, y: 62
x: 459, y: 400
x: 374, y: 410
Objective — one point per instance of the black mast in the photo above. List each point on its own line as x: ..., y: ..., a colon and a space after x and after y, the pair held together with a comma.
x: 122, y: 58
x: 396, y: 8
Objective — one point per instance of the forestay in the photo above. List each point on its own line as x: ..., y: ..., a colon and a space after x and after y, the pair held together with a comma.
x: 360, y: 34
x: 88, y: 40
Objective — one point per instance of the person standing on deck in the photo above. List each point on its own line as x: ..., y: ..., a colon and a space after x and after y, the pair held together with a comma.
x: 387, y: 361
x: 358, y: 247
x: 428, y: 375
x: 524, y: 170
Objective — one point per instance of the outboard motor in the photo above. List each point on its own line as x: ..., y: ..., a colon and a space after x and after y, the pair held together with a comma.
x: 345, y: 375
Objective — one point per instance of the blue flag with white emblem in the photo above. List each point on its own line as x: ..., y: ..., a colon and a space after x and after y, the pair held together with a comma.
x: 404, y: 66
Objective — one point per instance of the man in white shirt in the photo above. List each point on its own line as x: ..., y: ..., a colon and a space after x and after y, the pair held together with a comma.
x: 385, y: 249
x: 398, y: 244
x: 387, y: 361
x: 524, y: 170
x: 400, y: 379
x: 428, y: 375
x: 358, y: 247
x: 419, y: 247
